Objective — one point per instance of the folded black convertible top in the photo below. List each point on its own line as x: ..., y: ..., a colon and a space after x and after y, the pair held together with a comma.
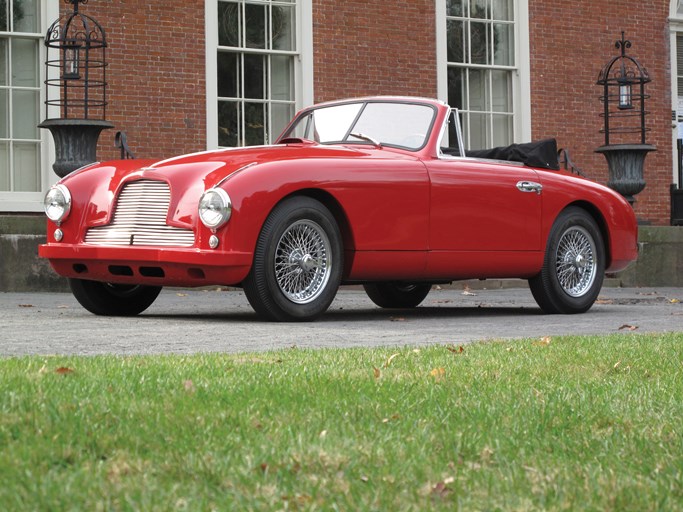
x: 540, y: 153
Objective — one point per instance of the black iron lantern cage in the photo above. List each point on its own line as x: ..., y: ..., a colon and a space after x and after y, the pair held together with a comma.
x: 77, y: 67
x: 623, y: 80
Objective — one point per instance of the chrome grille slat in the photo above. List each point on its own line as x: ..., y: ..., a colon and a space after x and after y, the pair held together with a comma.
x: 141, y: 211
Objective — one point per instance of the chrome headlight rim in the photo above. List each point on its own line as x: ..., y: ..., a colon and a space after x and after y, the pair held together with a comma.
x: 57, y: 209
x: 213, y: 215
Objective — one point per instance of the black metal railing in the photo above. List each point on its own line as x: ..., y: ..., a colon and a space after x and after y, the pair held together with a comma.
x: 121, y: 142
x: 566, y: 162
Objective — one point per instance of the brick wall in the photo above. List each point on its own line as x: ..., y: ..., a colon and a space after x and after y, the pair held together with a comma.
x: 365, y: 48
x: 571, y: 42
x: 156, y: 75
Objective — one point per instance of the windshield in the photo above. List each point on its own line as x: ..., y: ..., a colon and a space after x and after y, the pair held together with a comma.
x: 404, y: 125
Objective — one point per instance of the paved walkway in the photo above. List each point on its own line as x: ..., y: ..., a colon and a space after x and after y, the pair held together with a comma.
x: 189, y: 321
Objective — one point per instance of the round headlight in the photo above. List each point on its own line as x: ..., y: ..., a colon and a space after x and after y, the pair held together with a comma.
x: 215, y: 208
x: 57, y: 203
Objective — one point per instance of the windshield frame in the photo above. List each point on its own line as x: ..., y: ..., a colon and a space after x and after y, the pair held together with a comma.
x: 305, y: 117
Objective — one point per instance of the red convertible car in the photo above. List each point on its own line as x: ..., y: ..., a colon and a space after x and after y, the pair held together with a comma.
x: 377, y: 191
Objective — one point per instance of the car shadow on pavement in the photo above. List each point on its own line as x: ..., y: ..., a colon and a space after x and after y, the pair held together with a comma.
x: 359, y: 315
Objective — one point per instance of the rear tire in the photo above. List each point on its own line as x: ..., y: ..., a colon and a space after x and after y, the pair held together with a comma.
x: 108, y: 299
x: 574, y: 265
x: 397, y: 294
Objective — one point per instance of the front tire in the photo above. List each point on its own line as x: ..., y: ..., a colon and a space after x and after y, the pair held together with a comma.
x: 396, y: 294
x: 107, y: 299
x: 574, y: 265
x: 298, y: 262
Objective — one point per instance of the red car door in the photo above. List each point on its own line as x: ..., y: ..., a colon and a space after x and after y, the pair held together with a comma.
x: 485, y: 219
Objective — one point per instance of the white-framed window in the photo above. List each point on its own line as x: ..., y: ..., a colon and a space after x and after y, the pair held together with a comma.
x: 259, y: 71
x: 483, y: 67
x: 25, y: 150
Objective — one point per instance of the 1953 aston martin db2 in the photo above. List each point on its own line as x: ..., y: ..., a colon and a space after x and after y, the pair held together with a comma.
x: 376, y: 191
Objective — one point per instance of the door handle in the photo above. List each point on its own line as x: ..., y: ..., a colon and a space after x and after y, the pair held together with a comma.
x: 529, y: 186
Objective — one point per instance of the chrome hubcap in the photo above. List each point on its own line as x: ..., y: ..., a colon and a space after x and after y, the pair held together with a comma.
x: 303, y: 261
x: 575, y: 261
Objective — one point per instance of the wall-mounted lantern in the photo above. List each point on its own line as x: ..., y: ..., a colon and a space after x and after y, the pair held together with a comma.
x: 76, y: 85
x: 71, y: 53
x: 623, y: 80
x: 625, y: 94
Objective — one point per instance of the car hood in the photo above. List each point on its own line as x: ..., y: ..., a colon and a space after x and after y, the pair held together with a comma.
x: 188, y: 176
x: 212, y: 167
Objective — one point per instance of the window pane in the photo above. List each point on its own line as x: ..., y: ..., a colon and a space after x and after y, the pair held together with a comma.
x: 254, y: 70
x: 480, y: 9
x: 228, y: 122
x: 4, y: 166
x: 478, y: 89
x: 24, y: 115
x: 502, y: 91
x: 26, y: 167
x: 255, y: 29
x: 502, y: 10
x: 283, y: 28
x: 477, y: 133
x: 4, y: 114
x: 456, y: 92
x: 454, y: 8
x: 26, y: 15
x: 4, y: 61
x: 4, y: 15
x: 479, y: 43
x: 282, y: 83
x: 503, y: 45
x: 228, y: 24
x: 228, y: 75
x: 24, y: 63
x: 456, y: 41
x: 281, y: 114
x: 254, y: 124
x: 502, y: 130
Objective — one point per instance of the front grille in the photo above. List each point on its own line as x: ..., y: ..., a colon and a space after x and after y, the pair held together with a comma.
x: 140, y: 219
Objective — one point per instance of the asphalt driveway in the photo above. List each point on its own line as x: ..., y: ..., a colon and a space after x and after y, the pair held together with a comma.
x: 190, y: 321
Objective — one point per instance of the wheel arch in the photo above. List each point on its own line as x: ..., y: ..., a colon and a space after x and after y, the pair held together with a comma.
x: 337, y: 210
x: 599, y: 219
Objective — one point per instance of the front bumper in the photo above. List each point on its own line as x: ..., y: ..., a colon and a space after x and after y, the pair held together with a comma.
x: 158, y: 266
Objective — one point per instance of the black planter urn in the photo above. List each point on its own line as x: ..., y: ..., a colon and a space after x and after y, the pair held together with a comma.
x: 75, y: 142
x: 625, y: 162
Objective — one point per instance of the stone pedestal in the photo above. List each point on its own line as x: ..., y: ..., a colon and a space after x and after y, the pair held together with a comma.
x: 625, y: 163
x: 75, y: 142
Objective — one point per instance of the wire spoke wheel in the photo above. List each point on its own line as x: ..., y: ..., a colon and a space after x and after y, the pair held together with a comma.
x: 575, y: 261
x: 574, y: 264
x: 302, y: 261
x: 298, y: 262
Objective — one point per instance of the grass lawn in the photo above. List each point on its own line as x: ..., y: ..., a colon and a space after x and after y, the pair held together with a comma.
x: 576, y: 423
